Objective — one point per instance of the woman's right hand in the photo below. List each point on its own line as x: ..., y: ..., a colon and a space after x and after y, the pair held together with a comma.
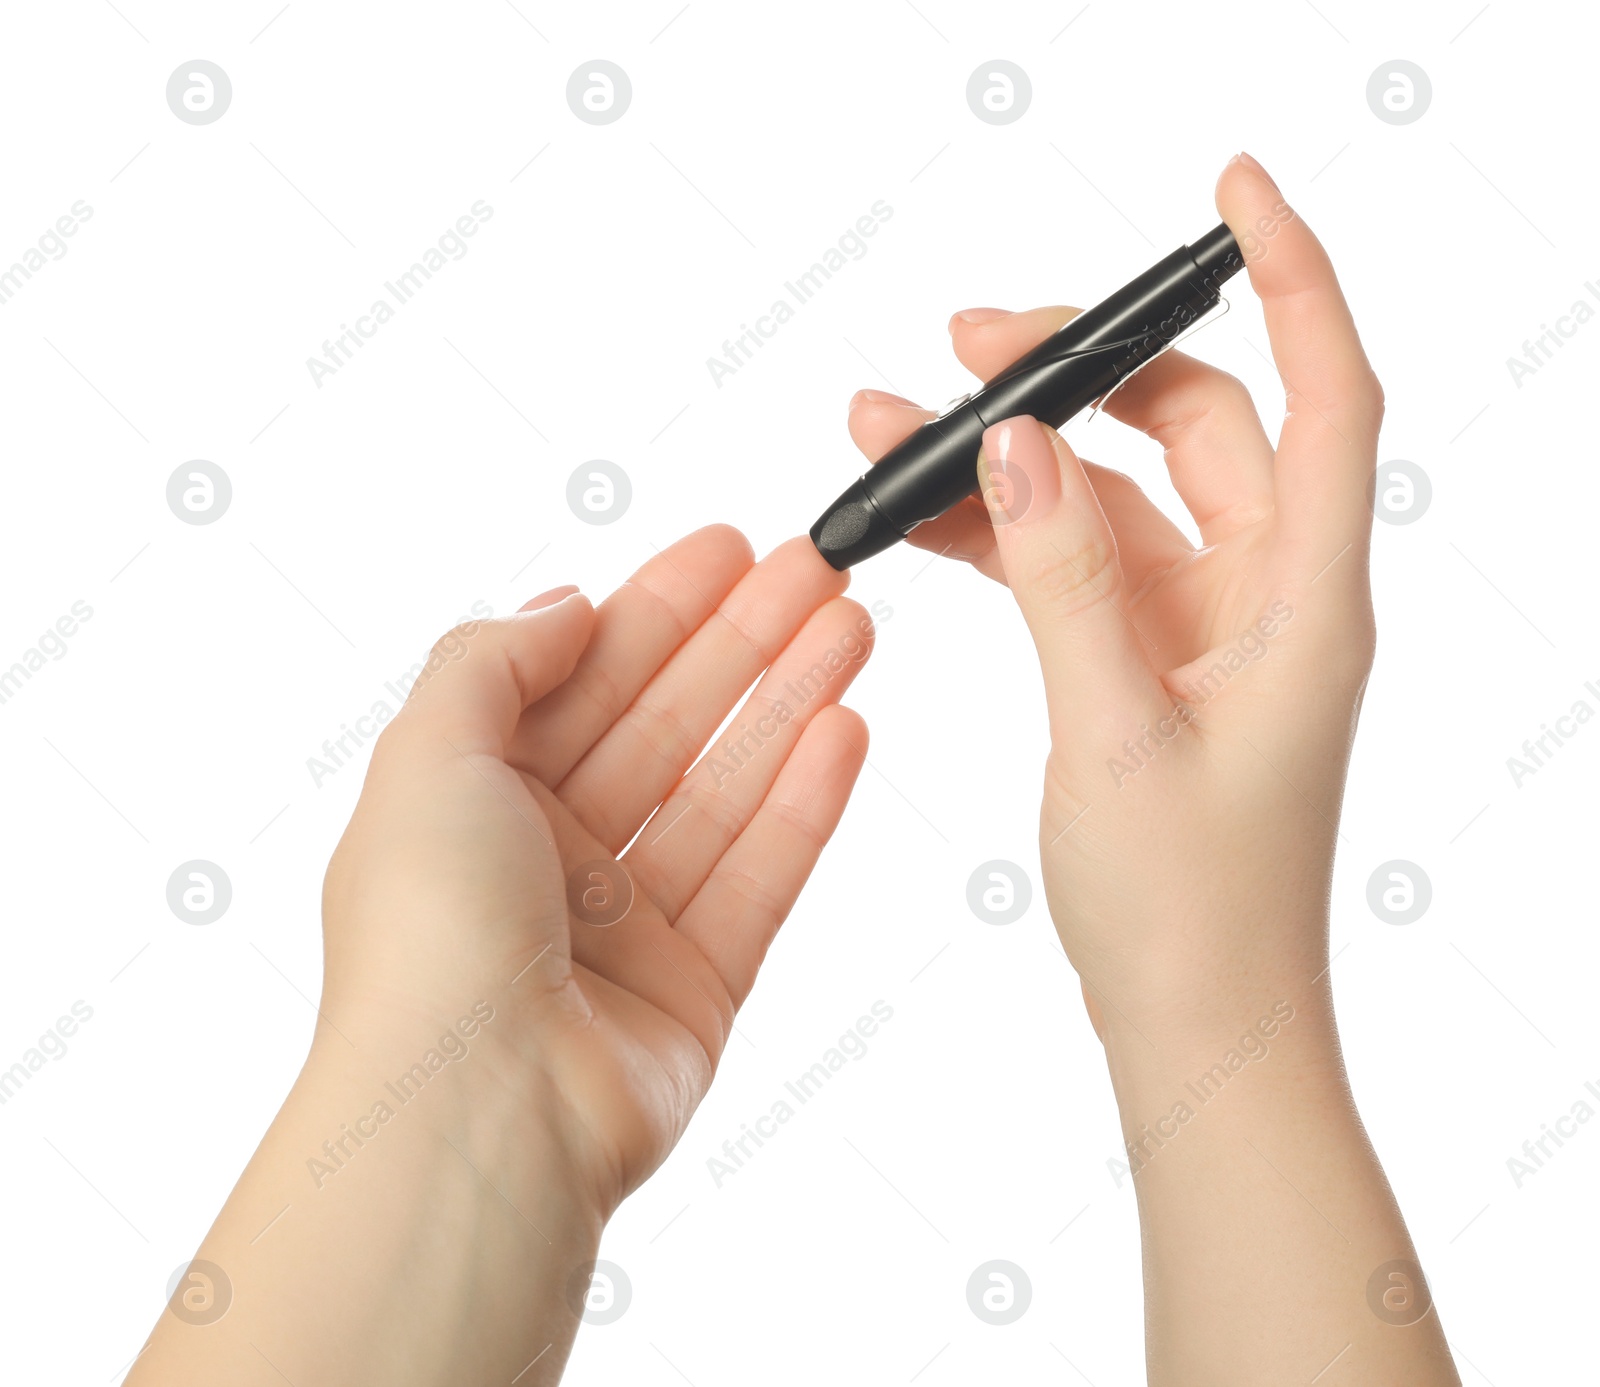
x: 1202, y: 700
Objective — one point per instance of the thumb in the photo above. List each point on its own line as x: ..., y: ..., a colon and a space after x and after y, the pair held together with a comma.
x: 480, y: 676
x: 1060, y: 559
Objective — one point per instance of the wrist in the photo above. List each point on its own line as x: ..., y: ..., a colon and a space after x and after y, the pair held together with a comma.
x: 1247, y: 1059
x: 461, y: 1085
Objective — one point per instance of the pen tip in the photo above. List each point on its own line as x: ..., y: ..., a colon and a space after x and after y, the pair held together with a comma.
x: 852, y: 529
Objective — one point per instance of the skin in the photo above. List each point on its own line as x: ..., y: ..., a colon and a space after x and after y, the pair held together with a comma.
x: 450, y: 1238
x: 450, y: 1244
x: 1188, y: 868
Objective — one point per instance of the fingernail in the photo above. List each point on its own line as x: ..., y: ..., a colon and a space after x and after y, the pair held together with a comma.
x: 979, y: 315
x: 548, y: 599
x: 1017, y: 471
x: 877, y: 397
x: 1250, y: 162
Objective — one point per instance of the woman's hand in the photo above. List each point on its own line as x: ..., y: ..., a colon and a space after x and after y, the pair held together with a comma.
x: 1202, y: 703
x: 1202, y: 700
x: 497, y: 848
x: 538, y: 926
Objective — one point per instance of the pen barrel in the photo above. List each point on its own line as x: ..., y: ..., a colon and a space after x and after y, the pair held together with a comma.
x: 1102, y: 345
x: 936, y: 467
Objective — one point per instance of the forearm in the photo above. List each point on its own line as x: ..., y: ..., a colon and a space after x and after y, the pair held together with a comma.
x: 1273, y: 1247
x: 440, y: 1243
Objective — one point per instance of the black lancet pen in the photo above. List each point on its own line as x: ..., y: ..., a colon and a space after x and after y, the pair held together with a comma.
x: 936, y: 467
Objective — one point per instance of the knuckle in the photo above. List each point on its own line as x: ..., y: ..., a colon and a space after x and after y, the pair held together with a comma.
x: 1359, y: 648
x: 763, y: 903
x: 1375, y: 395
x: 726, y: 817
x: 453, y: 644
x: 798, y: 825
x: 664, y: 732
x: 1071, y: 578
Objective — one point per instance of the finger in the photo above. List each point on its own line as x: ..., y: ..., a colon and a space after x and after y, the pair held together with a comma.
x: 1147, y: 540
x: 712, y: 805
x: 626, y: 940
x: 751, y: 890
x: 1217, y: 453
x: 1334, y: 403
x: 634, y: 765
x: 548, y: 599
x: 479, y: 677
x: 878, y: 421
x: 1061, y: 561
x: 636, y: 629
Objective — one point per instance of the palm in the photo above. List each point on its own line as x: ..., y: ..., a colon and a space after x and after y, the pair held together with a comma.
x: 554, y: 746
x: 1204, y: 600
x: 636, y: 997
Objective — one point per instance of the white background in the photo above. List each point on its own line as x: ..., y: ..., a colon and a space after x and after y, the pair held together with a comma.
x: 430, y: 473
